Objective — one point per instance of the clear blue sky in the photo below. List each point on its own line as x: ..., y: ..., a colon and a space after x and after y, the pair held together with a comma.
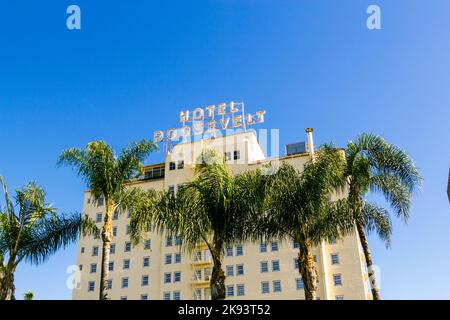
x: 135, y: 65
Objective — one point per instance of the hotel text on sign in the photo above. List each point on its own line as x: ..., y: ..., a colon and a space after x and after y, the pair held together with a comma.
x: 209, y: 119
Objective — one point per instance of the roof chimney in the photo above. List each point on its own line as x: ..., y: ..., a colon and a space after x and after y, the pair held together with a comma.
x: 309, y: 132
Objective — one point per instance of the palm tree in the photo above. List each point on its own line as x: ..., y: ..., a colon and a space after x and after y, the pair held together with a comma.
x: 28, y: 295
x: 375, y: 165
x: 106, y: 175
x: 214, y: 208
x: 34, y: 232
x: 298, y: 208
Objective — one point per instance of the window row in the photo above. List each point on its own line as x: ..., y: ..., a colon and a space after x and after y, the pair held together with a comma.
x: 112, y: 248
x: 230, y: 270
x: 178, y: 165
x: 126, y: 263
x: 176, y: 277
x: 124, y: 282
x: 238, y: 290
x: 176, y: 258
x: 239, y: 251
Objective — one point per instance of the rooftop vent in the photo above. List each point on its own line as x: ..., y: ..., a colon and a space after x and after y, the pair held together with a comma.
x: 296, y: 148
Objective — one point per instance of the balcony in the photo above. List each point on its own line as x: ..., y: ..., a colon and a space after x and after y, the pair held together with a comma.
x: 156, y: 172
x: 201, y: 282
x: 202, y: 258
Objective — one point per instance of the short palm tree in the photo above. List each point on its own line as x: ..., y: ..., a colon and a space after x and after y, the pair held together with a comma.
x: 31, y: 230
x: 298, y: 208
x: 375, y: 165
x: 28, y: 295
x: 106, y: 175
x: 215, y: 209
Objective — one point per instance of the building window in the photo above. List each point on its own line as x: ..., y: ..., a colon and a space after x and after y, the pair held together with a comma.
x: 295, y: 245
x: 275, y: 265
x: 125, y: 282
x: 91, y: 286
x: 112, y: 248
x: 337, y: 279
x: 167, y: 277
x: 88, y: 200
x: 295, y: 263
x: 339, y: 297
x: 180, y: 164
x: 299, y: 284
x: 126, y: 264
x: 116, y: 215
x: 166, y: 296
x: 239, y: 269
x: 177, y: 257
x: 177, y: 276
x: 277, y: 286
x: 230, y: 291
x: 265, y: 287
x: 171, y: 189
x: 100, y: 202
x: 127, y: 247
x: 93, y: 268
x: 98, y: 217
x: 334, y: 258
x: 274, y: 246
x: 315, y: 258
x: 176, y: 295
x: 240, y: 289
x: 264, y: 267
x: 263, y: 247
x: 171, y: 165
x: 236, y: 154
x: 148, y: 244
x: 198, y: 294
x: 168, y: 241
x: 239, y: 250
x: 144, y: 281
x: 80, y: 267
x: 109, y: 284
x: 229, y: 251
x: 227, y: 156
x: 111, y: 266
x: 168, y: 258
x: 198, y: 274
x: 95, y: 251
x: 115, y: 232
x: 178, y: 240
x: 230, y: 271
x: 146, y: 262
x: 144, y: 296
x: 82, y: 249
x: 123, y: 298
x: 331, y: 241
x: 127, y: 231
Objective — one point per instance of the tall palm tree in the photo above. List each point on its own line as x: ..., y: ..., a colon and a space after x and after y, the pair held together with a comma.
x: 215, y: 208
x: 34, y: 232
x: 106, y: 175
x: 298, y: 208
x: 375, y: 165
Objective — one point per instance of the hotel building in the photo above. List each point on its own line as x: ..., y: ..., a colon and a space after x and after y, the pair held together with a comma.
x: 157, y: 269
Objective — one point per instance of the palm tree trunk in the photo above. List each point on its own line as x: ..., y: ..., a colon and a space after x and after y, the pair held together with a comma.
x: 106, y: 238
x: 217, y: 279
x: 368, y: 256
x: 7, y: 289
x: 307, y: 270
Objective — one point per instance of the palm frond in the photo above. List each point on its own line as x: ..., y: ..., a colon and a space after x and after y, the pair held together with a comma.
x: 377, y: 219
